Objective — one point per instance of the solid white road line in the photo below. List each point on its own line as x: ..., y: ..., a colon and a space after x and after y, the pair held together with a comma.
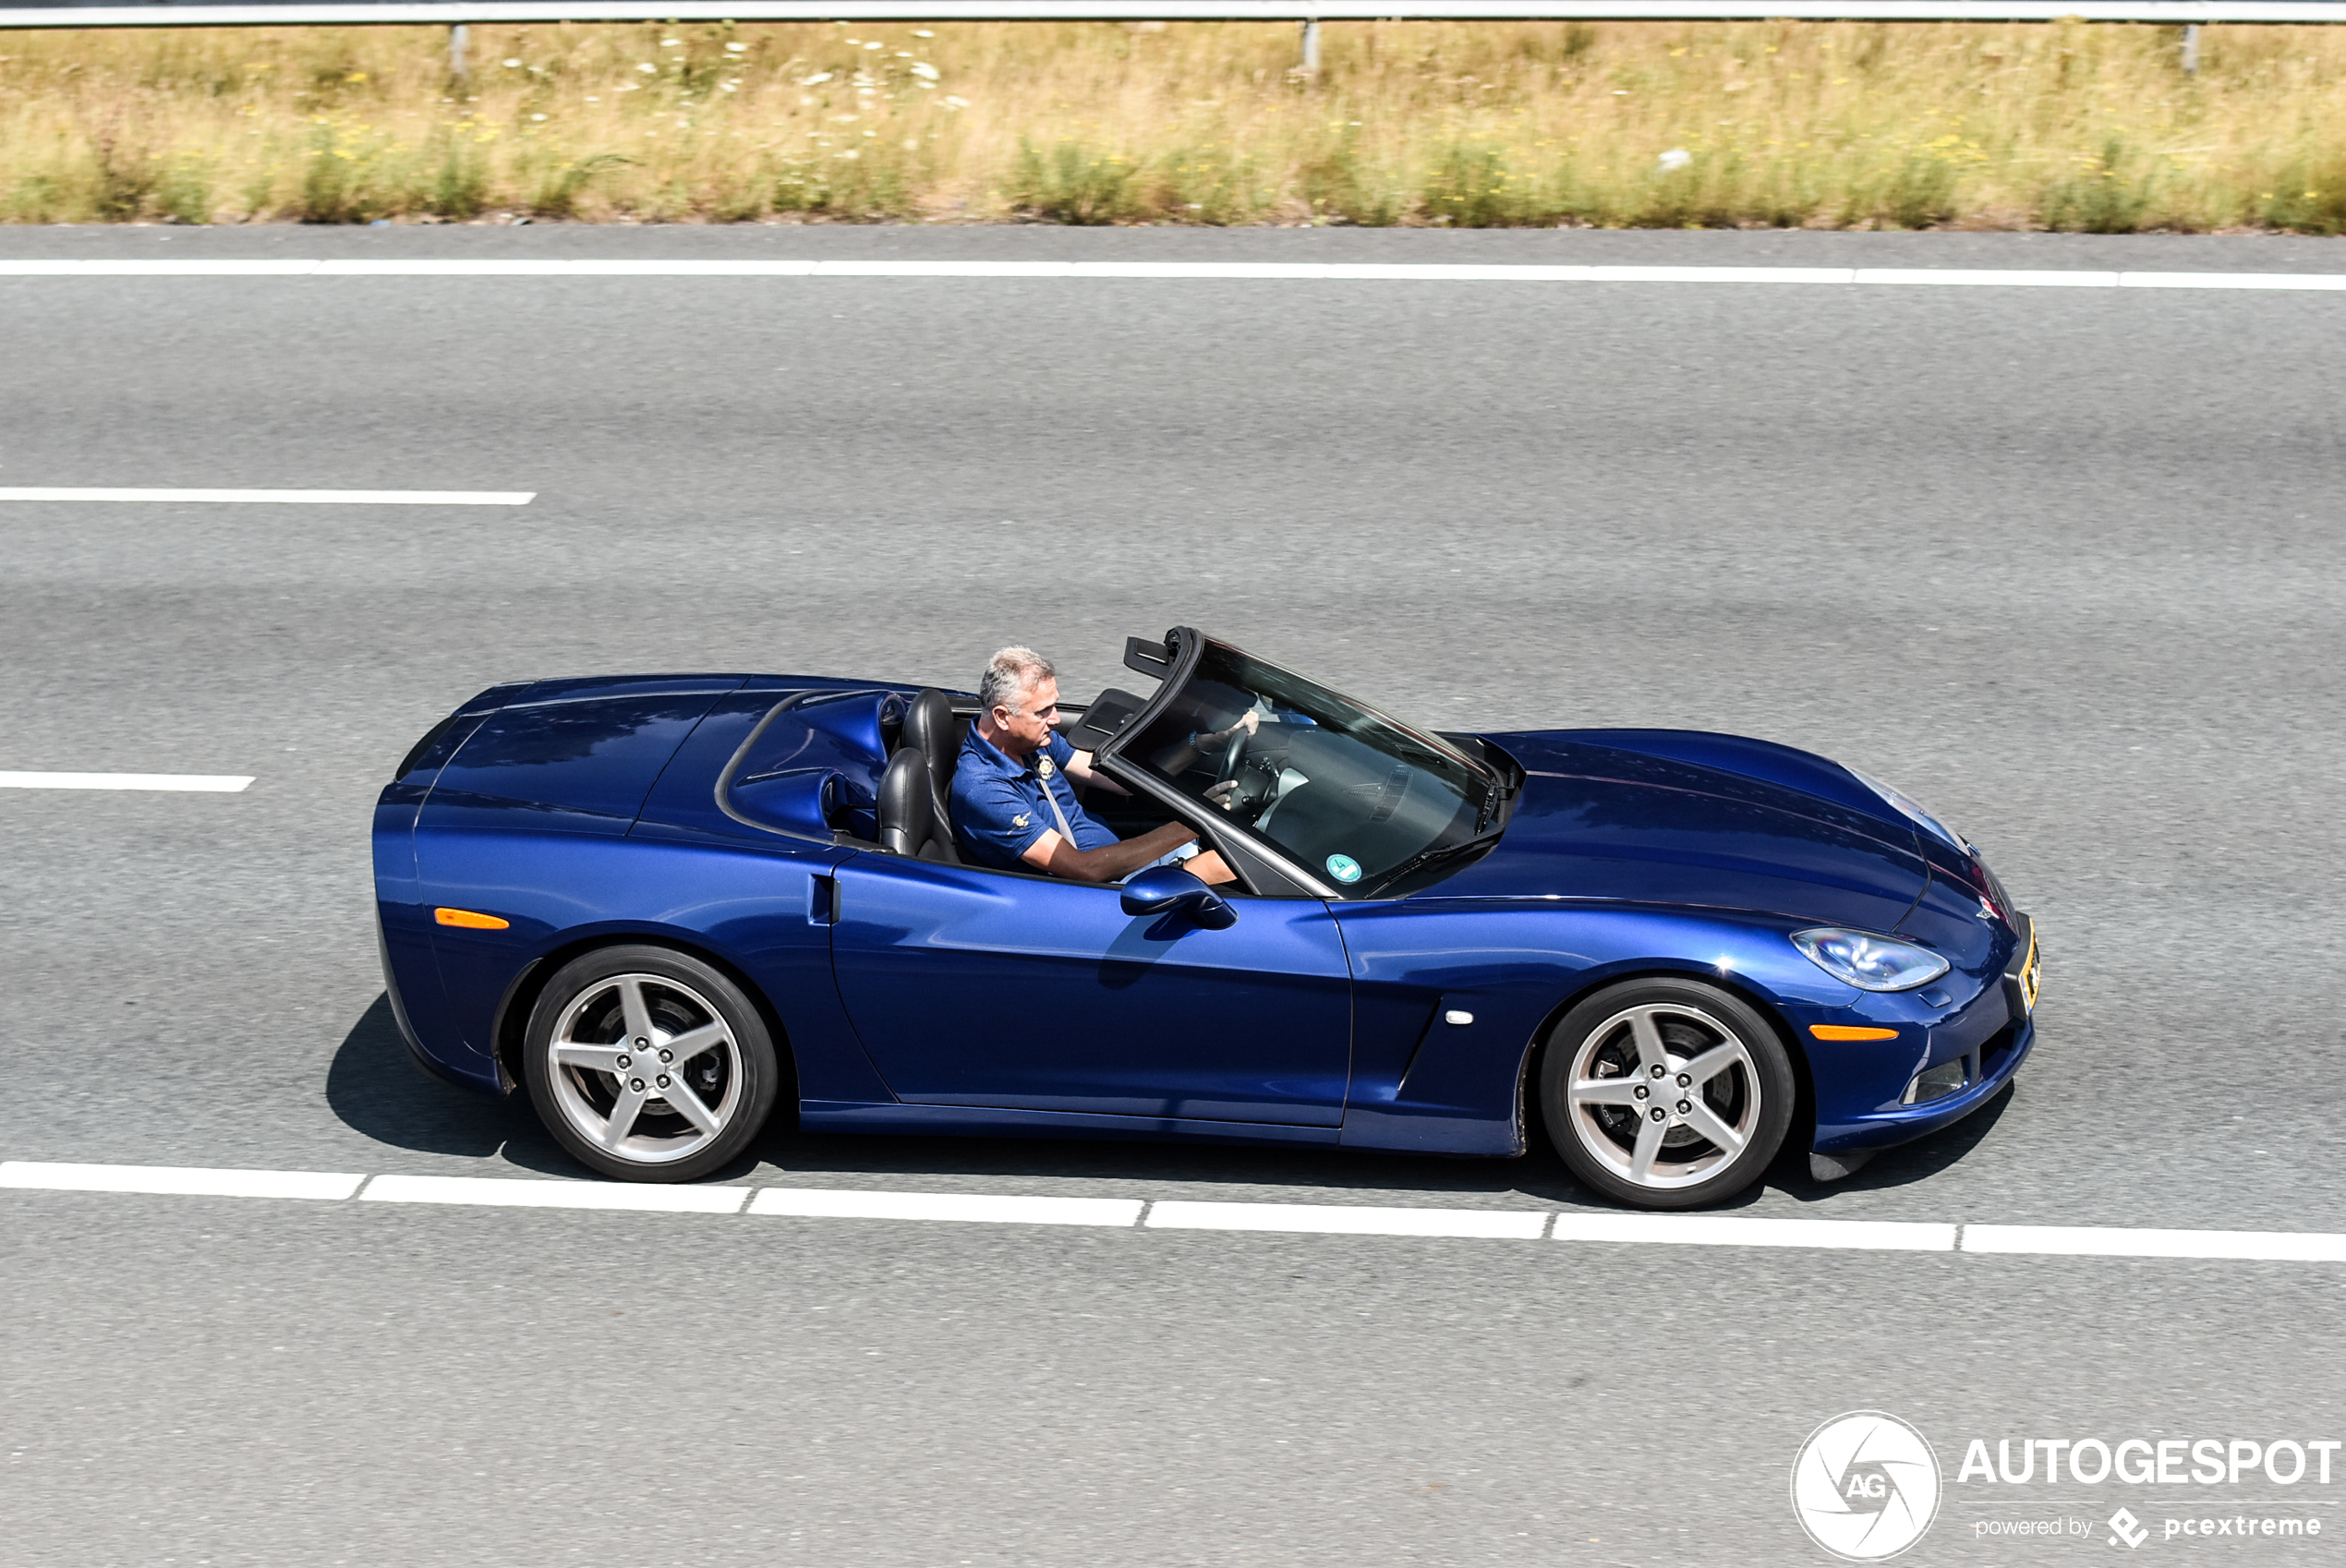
x: 1332, y: 1219
x: 291, y: 497
x: 507, y: 1193
x: 1290, y: 272
x: 178, y: 1180
x: 2095, y: 1241
x: 832, y: 1204
x: 1712, y: 1230
x: 215, y: 783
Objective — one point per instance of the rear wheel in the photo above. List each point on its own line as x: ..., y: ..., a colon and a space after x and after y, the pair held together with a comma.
x: 648, y: 1064
x: 1666, y: 1093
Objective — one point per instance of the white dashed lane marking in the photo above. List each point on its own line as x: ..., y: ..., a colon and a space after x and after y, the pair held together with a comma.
x: 1713, y: 1230
x: 291, y: 497
x: 828, y: 1203
x: 209, y: 783
x: 1325, y: 1219
x: 1333, y: 1219
x: 1203, y: 272
x: 178, y: 1181
x: 509, y: 1193
x: 2074, y: 1241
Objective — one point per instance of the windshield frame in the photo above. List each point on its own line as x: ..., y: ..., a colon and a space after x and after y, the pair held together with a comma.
x: 1186, y: 648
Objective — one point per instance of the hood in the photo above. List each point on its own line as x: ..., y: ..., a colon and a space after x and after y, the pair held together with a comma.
x: 1709, y: 821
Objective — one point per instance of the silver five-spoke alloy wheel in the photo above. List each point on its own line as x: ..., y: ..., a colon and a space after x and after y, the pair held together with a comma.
x: 651, y: 1063
x: 644, y: 1066
x: 1663, y: 1094
x: 1666, y: 1093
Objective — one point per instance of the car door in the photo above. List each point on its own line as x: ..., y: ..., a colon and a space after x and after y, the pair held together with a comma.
x: 983, y: 988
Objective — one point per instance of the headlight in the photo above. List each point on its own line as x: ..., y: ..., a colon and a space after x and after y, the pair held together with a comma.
x: 1907, y: 806
x: 1870, y: 962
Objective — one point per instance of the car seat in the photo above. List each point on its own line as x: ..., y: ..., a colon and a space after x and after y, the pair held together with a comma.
x: 931, y: 729
x: 907, y: 824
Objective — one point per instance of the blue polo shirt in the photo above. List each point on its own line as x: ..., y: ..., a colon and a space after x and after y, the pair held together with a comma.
x: 1000, y: 808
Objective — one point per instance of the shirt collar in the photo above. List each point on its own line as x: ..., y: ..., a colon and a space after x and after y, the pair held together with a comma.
x: 993, y: 758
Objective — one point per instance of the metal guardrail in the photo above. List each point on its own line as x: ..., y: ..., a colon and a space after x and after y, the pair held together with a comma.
x: 457, y: 16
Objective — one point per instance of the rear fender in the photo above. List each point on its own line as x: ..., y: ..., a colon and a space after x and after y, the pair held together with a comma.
x: 758, y: 913
x: 511, y: 1029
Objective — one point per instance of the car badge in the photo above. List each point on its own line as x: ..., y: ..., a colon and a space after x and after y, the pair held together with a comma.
x: 1344, y: 868
x: 1020, y: 820
x: 1046, y: 767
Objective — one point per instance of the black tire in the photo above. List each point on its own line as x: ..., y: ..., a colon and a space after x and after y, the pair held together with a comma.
x: 1686, y: 1157
x: 611, y: 1059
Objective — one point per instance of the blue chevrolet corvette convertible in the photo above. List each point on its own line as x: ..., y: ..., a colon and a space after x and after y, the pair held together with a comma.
x: 667, y: 904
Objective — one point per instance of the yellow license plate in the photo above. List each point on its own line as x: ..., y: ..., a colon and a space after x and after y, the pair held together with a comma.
x: 2030, y: 972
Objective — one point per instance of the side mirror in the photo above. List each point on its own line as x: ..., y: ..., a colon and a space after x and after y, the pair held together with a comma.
x: 1169, y: 890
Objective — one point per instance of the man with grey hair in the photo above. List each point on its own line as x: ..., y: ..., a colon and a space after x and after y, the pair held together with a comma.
x: 1013, y: 805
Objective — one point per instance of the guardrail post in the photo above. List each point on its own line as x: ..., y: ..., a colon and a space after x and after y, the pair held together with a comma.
x: 458, y: 36
x: 2191, y: 49
x: 1312, y: 46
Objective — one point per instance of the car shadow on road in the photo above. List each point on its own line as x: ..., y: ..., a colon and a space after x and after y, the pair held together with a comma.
x: 1902, y: 1166
x: 1539, y: 1174
x: 376, y: 1089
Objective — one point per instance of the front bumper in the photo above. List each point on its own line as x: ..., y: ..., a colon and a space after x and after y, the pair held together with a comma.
x: 1902, y: 1124
x: 1860, y: 1087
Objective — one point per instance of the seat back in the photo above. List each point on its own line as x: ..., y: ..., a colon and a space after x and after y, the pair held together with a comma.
x: 931, y: 729
x: 907, y: 824
x: 904, y: 814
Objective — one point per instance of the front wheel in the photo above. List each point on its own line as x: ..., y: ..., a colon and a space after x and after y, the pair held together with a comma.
x: 1666, y: 1093
x: 649, y: 1064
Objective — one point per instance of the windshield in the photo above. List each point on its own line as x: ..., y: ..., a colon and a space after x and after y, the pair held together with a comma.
x: 1342, y: 789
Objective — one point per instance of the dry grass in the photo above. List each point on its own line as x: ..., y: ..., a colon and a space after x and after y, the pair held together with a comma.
x: 2066, y: 125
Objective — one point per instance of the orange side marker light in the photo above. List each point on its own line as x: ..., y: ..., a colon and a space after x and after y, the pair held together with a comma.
x: 1822, y: 1030
x: 473, y: 922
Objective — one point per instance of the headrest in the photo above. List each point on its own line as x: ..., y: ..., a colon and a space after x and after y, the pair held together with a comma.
x: 929, y: 727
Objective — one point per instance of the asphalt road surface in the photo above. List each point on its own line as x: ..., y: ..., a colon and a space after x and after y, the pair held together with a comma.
x: 2066, y: 564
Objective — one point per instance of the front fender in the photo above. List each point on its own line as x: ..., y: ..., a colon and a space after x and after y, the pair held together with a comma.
x: 1421, y: 1083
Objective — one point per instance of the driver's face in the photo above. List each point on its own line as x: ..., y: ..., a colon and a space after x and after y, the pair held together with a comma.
x: 1031, y: 726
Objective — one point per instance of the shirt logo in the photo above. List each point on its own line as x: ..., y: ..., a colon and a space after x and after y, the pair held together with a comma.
x: 1020, y: 820
x: 1046, y: 767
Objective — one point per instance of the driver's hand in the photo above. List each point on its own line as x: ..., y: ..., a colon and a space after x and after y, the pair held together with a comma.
x: 1223, y: 794
x: 1249, y: 721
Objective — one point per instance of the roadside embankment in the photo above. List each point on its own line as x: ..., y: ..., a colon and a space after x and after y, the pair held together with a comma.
x: 2065, y: 126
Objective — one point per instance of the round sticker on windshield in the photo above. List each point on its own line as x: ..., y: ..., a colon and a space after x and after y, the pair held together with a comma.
x: 1344, y: 868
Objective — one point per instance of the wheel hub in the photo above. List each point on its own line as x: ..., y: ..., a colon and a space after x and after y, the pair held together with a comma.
x: 1662, y: 1095
x: 631, y: 1089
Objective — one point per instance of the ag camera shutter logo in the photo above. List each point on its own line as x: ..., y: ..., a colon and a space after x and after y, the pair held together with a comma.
x: 1866, y: 1486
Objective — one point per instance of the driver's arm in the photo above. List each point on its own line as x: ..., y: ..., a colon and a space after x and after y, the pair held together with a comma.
x: 1109, y: 862
x: 1078, y: 768
x: 1184, y: 756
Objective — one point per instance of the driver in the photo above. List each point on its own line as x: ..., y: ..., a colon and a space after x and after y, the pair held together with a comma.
x: 1013, y: 805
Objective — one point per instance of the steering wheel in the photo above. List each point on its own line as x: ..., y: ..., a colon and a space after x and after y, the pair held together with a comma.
x: 1231, y: 753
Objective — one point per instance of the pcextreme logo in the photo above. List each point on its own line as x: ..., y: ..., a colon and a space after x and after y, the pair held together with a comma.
x: 1865, y: 1486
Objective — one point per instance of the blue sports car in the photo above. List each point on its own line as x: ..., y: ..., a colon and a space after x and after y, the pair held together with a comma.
x: 667, y: 904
